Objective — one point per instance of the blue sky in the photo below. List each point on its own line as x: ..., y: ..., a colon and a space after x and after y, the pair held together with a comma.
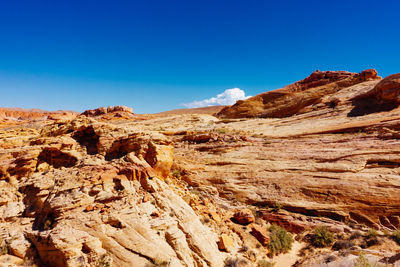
x: 157, y: 55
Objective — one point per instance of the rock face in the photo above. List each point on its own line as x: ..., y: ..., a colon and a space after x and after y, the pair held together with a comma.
x: 103, y: 111
x: 290, y: 99
x: 261, y: 234
x: 84, y: 193
x: 388, y: 90
x: 193, y: 190
x: 18, y: 116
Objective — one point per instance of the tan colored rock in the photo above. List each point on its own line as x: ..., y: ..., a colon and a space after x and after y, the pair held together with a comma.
x: 244, y: 216
x: 120, y: 108
x: 160, y: 158
x: 292, y: 98
x: 322, y: 165
x: 66, y: 246
x: 10, y: 260
x: 215, y: 217
x: 226, y: 243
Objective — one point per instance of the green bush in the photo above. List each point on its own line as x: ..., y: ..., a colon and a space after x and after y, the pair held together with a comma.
x: 3, y: 247
x: 396, y: 236
x: 280, y: 240
x: 276, y: 207
x: 264, y: 263
x: 321, y: 237
x: 177, y: 174
x: 362, y: 261
x: 372, y: 233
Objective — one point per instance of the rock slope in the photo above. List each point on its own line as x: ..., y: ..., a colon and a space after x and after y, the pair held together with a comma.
x: 291, y: 99
x: 117, y: 189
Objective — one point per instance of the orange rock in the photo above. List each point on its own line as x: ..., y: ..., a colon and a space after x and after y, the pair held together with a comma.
x: 244, y: 216
x: 160, y: 158
x: 89, y: 208
x: 260, y: 233
x: 292, y: 98
x: 286, y: 221
x: 215, y: 216
x: 388, y: 90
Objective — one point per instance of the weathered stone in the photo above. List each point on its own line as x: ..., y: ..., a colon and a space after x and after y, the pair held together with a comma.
x: 244, y: 216
x: 285, y: 221
x: 226, y: 243
x: 260, y: 233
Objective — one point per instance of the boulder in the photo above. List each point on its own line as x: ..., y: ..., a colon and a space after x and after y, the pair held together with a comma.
x: 260, y: 233
x: 160, y: 158
x: 226, y: 243
x: 244, y: 216
x: 388, y: 90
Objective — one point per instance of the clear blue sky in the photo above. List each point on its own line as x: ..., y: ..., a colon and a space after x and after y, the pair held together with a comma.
x: 156, y: 55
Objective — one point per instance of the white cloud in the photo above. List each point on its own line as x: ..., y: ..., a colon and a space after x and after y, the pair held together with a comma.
x: 228, y: 97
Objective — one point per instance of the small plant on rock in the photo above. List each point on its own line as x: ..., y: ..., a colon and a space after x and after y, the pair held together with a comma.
x: 264, y: 263
x: 372, y: 233
x: 396, y: 236
x: 235, y: 262
x: 177, y: 174
x: 362, y: 261
x: 276, y: 207
x: 321, y: 237
x: 280, y: 240
x: 3, y: 247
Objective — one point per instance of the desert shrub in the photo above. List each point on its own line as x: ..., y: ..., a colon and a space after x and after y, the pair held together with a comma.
x: 321, y: 237
x: 371, y: 241
x: 362, y: 261
x: 177, y: 174
x: 342, y: 244
x: 3, y: 247
x: 372, y: 233
x: 396, y: 236
x: 235, y: 262
x: 280, y: 240
x: 355, y: 235
x: 104, y: 261
x: 222, y: 130
x: 243, y: 249
x: 276, y: 207
x: 264, y: 263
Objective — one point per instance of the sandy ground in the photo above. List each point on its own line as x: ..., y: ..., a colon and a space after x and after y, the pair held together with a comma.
x: 288, y: 259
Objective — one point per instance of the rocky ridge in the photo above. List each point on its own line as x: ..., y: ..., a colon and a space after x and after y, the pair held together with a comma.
x: 106, y: 188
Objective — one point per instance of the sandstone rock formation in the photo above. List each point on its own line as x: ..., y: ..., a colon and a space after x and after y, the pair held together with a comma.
x: 290, y: 99
x: 17, y: 116
x: 87, y: 193
x: 103, y: 111
x: 118, y: 189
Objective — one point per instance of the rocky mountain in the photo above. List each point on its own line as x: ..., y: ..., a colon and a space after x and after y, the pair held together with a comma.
x: 307, y: 175
x: 291, y: 99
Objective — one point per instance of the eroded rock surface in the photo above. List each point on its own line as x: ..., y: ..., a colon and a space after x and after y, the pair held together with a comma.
x: 119, y: 189
x: 82, y: 193
x: 290, y: 99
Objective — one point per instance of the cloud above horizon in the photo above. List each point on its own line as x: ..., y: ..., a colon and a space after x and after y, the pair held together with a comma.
x: 228, y: 97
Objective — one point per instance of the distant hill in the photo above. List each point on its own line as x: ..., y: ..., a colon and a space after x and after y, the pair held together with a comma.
x: 205, y: 110
x: 25, y: 114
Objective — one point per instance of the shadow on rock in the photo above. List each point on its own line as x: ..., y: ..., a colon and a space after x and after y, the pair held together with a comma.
x: 369, y: 105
